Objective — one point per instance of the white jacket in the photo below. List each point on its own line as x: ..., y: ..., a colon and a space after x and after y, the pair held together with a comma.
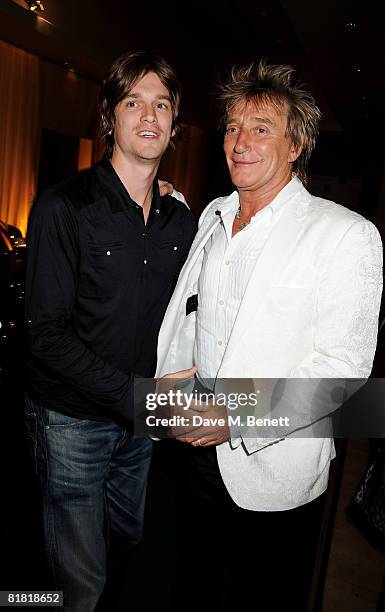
x: 310, y: 310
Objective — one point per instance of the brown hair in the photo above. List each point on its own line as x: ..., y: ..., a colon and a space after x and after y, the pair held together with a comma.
x: 268, y: 84
x: 122, y: 76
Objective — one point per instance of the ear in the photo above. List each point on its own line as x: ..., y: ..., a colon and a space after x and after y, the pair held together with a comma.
x: 294, y: 153
x: 173, y: 133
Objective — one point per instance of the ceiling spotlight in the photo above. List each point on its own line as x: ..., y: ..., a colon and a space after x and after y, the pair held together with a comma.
x: 36, y: 6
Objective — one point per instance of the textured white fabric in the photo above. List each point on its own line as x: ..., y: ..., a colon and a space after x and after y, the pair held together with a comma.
x: 310, y: 309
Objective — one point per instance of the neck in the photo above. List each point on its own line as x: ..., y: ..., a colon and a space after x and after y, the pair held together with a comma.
x: 252, y: 201
x: 137, y: 179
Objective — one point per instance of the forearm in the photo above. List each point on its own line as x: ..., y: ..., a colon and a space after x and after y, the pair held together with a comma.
x: 57, y: 348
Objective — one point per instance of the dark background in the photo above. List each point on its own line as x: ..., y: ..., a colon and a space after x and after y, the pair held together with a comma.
x: 337, y: 48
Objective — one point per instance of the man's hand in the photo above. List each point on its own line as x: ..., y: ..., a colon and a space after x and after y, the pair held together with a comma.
x: 181, y: 374
x: 206, y: 425
x: 173, y: 400
x: 213, y: 428
x: 199, y: 423
x: 213, y: 440
x: 164, y: 384
x: 165, y: 188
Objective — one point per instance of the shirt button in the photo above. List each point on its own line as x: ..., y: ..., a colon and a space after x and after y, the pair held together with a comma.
x: 137, y: 207
x: 221, y: 302
x: 157, y: 211
x: 220, y: 342
x: 175, y: 248
x: 145, y: 261
x: 227, y: 262
x: 144, y: 235
x: 108, y: 253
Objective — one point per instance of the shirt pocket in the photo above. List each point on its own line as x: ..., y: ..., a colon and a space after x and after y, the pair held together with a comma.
x: 105, y: 265
x: 170, y: 254
x: 106, y: 248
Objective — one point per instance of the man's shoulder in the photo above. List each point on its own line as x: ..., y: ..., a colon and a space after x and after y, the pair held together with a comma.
x: 331, y: 223
x: 332, y: 212
x: 76, y: 191
x: 180, y: 211
x: 177, y: 201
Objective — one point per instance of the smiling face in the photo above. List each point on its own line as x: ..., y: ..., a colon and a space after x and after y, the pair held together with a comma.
x: 143, y: 122
x: 257, y: 148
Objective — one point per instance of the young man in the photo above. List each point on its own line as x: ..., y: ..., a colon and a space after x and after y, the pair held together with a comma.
x: 288, y: 286
x: 105, y: 251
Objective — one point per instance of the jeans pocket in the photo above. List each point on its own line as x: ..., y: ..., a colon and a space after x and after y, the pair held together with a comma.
x: 57, y: 419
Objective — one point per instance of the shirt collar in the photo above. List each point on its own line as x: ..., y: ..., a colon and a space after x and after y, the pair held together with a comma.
x: 292, y: 187
x: 116, y: 193
x: 275, y: 206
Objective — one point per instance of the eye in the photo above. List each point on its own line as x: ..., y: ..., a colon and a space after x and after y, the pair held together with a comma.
x: 162, y: 105
x: 230, y: 129
x: 261, y: 130
x: 131, y: 104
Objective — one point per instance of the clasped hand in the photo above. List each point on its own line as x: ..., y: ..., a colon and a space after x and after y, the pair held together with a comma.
x: 195, y: 422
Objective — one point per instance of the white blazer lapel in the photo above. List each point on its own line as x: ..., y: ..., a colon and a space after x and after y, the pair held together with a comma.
x: 188, y: 278
x: 209, y: 224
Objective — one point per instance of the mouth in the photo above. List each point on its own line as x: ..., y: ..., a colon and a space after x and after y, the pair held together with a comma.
x: 246, y: 163
x: 148, y: 134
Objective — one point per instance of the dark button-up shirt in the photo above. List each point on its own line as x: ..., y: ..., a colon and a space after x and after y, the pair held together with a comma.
x: 98, y: 283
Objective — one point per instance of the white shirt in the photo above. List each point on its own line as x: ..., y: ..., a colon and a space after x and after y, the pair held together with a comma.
x: 227, y: 265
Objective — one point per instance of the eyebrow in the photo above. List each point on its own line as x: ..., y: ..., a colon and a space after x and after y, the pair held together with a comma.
x: 256, y: 119
x: 263, y: 120
x: 158, y: 97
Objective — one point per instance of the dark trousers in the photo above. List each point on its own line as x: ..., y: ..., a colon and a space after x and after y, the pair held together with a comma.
x: 92, y: 477
x: 230, y: 556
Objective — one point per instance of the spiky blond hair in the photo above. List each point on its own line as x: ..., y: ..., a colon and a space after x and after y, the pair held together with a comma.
x: 264, y: 84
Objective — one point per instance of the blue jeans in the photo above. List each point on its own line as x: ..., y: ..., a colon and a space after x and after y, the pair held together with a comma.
x: 92, y: 477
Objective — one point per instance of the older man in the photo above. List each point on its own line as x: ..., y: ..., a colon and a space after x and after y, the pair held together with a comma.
x: 286, y: 285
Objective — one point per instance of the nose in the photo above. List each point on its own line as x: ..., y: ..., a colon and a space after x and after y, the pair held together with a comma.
x: 242, y: 144
x: 148, y: 113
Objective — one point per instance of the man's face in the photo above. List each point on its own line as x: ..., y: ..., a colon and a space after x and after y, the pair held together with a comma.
x: 143, y: 121
x: 258, y: 152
